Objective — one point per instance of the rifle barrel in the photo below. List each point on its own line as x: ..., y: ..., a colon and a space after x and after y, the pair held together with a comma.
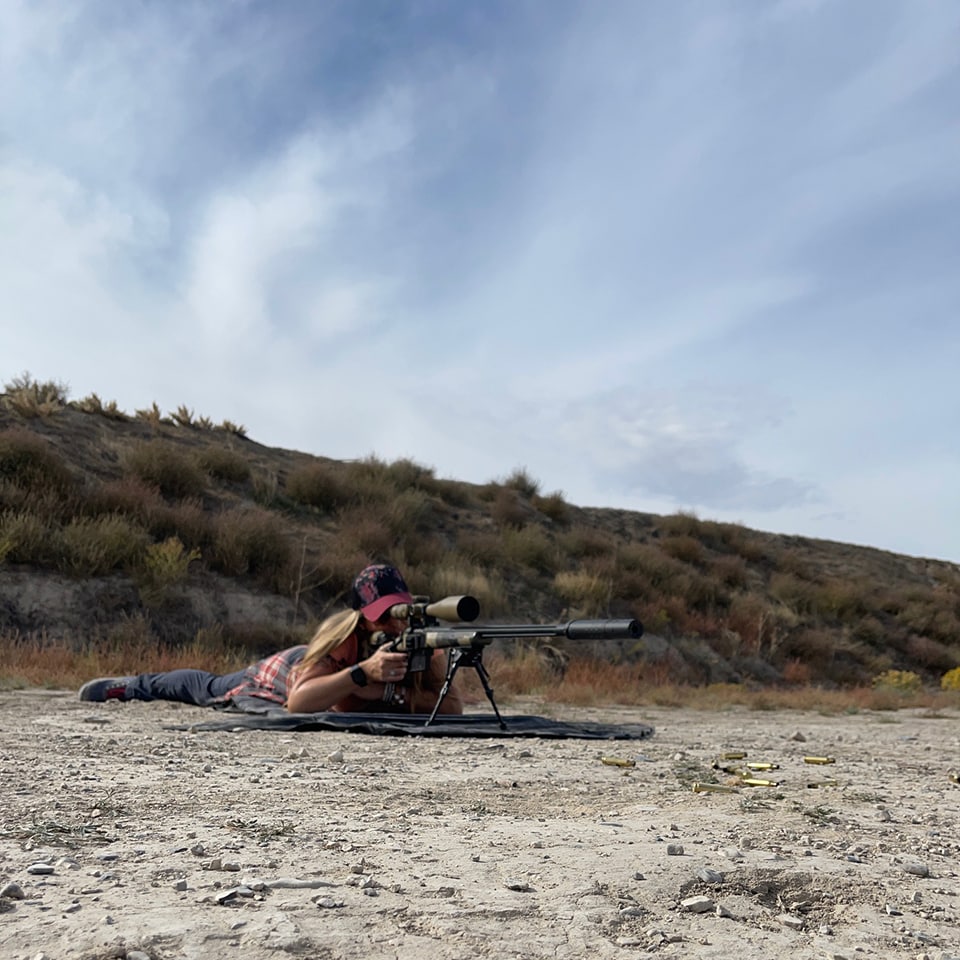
x: 439, y: 637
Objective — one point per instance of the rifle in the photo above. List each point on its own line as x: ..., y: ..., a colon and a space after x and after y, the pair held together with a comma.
x: 465, y: 644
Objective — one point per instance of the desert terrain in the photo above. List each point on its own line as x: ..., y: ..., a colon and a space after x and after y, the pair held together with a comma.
x: 126, y: 833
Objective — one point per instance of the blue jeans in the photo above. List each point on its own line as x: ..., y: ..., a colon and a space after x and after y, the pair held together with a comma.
x: 187, y: 686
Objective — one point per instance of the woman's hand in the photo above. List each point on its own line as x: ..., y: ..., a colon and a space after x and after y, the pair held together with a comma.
x: 385, y: 666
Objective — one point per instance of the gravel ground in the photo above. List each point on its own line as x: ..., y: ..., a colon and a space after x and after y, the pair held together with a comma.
x: 123, y: 837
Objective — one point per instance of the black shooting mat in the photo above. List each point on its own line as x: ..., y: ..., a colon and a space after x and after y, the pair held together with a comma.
x: 395, y: 725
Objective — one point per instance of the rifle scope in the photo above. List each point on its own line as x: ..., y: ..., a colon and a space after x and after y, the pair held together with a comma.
x: 464, y: 609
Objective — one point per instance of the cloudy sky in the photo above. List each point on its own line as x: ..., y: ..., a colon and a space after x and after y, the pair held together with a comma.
x: 664, y: 254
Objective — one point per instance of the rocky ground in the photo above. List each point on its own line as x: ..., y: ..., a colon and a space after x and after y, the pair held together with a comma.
x: 122, y: 836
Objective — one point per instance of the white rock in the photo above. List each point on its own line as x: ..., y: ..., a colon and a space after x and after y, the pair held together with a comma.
x: 697, y: 905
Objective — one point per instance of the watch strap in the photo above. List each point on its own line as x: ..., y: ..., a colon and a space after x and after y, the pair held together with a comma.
x: 358, y: 676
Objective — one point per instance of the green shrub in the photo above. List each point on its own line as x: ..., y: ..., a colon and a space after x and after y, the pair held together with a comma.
x: 510, y: 510
x: 553, y: 506
x: 682, y: 547
x: 482, y: 547
x: 172, y: 472
x: 454, y: 576
x: 252, y: 542
x: 26, y: 538
x: 186, y: 520
x: 129, y: 496
x: 224, y: 464
x: 731, y: 571
x: 164, y: 566
x: 31, y: 463
x: 523, y: 483
x: 93, y: 546
x: 530, y: 547
x: 589, y: 593
x: 681, y: 524
x: 319, y: 485
x: 582, y: 541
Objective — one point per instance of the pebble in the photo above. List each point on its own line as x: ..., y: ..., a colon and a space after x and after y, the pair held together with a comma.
x: 697, y: 905
x: 794, y: 923
x: 40, y: 869
x: 12, y: 891
x: 520, y: 886
x: 328, y: 903
x: 674, y: 849
x: 709, y: 876
x: 917, y: 869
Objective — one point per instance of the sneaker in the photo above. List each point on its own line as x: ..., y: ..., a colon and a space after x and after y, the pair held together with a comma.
x: 106, y: 688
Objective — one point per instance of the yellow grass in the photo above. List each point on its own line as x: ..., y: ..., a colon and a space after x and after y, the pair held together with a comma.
x: 38, y: 661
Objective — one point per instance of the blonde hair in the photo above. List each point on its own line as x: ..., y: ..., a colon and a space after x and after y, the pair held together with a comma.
x: 329, y: 635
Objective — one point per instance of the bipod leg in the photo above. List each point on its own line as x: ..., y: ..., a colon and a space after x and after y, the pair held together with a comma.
x: 453, y: 664
x: 488, y: 690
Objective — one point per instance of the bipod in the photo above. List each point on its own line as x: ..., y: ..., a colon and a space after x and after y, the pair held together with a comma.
x: 466, y: 657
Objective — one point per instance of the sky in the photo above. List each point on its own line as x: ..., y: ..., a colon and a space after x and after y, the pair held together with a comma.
x: 663, y: 255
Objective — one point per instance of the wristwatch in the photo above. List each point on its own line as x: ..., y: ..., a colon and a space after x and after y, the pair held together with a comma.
x: 358, y: 676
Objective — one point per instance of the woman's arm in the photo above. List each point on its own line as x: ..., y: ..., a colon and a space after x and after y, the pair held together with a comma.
x: 323, y: 686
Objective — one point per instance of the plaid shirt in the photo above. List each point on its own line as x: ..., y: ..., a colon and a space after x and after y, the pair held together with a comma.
x: 269, y: 679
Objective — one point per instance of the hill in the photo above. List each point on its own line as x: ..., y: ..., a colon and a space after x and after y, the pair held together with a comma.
x: 172, y: 526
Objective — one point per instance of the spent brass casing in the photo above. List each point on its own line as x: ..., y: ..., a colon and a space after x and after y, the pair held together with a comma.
x: 617, y: 762
x: 819, y: 760
x: 815, y: 784
x: 763, y: 766
x: 754, y: 782
x: 713, y: 788
x: 733, y: 755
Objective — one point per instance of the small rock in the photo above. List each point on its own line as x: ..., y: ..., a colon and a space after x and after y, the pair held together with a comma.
x: 520, y: 886
x: 917, y: 869
x: 180, y: 886
x: 697, y: 905
x: 731, y: 853
x: 709, y: 876
x: 371, y: 892
x: 639, y: 876
x: 328, y: 903
x: 794, y: 923
x: 335, y: 757
x: 798, y: 737
x: 71, y: 907
x: 12, y: 891
x: 722, y: 911
x: 137, y: 955
x: 40, y: 869
x: 674, y: 849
